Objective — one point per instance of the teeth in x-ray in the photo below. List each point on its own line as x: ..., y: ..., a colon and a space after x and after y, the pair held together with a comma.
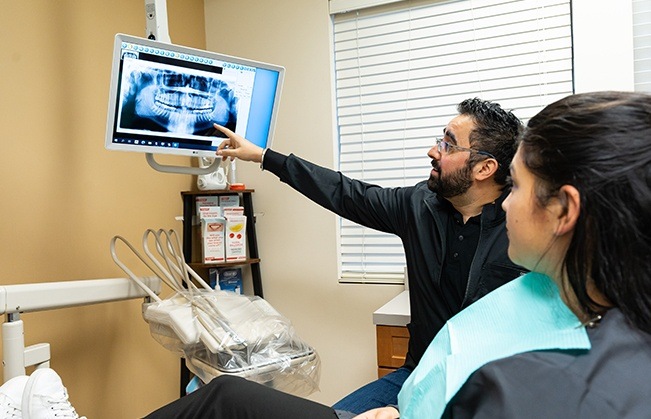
x: 189, y: 101
x: 183, y: 103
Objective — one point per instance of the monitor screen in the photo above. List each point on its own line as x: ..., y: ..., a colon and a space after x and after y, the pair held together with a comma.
x: 164, y: 98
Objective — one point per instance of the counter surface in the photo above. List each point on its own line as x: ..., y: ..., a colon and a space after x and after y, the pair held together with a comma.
x: 394, y: 313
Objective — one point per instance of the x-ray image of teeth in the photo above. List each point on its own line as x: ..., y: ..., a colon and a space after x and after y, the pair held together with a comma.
x: 180, y: 103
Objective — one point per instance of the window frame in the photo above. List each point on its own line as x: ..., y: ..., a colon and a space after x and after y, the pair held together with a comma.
x: 364, y: 8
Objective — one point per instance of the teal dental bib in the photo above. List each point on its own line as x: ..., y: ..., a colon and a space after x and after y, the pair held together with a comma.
x: 527, y: 314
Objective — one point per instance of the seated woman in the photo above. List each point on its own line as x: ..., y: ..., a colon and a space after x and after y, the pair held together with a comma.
x: 570, y: 340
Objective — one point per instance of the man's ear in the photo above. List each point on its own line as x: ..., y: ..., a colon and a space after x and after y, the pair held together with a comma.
x: 485, y: 169
x: 569, y: 200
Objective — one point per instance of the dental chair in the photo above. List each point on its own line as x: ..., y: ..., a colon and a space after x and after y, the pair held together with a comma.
x: 219, y: 332
x: 26, y: 298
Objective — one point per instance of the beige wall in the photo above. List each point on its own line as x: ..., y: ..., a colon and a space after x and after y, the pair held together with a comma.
x: 64, y: 196
x: 297, y: 238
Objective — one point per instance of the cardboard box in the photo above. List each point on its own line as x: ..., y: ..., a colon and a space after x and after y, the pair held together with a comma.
x: 228, y: 211
x: 206, y: 201
x: 228, y: 279
x: 235, y: 238
x: 229, y: 200
x: 212, y: 233
x: 210, y: 212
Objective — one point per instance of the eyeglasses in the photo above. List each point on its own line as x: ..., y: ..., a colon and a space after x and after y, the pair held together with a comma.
x: 445, y: 147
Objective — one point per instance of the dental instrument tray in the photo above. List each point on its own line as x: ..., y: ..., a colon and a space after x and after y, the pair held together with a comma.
x: 220, y: 332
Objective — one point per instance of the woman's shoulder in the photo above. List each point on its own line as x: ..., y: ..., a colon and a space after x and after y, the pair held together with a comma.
x: 609, y: 380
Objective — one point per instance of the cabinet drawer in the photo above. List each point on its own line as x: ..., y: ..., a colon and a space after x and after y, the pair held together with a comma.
x: 392, y: 343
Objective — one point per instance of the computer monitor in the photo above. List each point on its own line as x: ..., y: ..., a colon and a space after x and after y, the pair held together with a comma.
x: 164, y: 98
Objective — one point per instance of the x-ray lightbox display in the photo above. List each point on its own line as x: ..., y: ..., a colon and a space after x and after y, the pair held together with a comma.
x: 164, y: 98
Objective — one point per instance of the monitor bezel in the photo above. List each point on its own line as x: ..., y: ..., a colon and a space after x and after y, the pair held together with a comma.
x: 114, y: 94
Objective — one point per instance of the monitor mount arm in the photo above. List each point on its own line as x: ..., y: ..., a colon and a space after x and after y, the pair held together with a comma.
x: 184, y: 170
x: 156, y: 19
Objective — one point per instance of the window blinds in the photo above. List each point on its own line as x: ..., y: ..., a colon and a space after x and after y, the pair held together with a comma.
x: 642, y: 44
x: 401, y: 70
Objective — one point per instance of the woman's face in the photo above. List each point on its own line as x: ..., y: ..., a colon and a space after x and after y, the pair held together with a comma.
x: 530, y: 225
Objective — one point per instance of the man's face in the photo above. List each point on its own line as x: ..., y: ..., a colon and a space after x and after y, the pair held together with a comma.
x: 451, y: 175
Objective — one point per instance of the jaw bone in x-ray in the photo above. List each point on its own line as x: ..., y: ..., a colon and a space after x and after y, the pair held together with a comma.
x: 161, y: 100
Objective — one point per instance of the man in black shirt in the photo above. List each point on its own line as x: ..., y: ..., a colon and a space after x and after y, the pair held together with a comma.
x: 452, y: 225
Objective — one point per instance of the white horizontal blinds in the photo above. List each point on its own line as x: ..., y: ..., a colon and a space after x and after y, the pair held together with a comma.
x: 642, y: 44
x: 342, y: 6
x: 400, y: 72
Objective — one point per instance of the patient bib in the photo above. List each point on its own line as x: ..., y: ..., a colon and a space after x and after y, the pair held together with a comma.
x: 527, y: 314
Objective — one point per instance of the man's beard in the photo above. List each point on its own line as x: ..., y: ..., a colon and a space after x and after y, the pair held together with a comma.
x: 451, y: 185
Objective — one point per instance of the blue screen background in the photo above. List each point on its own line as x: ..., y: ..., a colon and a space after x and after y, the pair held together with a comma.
x: 262, y: 101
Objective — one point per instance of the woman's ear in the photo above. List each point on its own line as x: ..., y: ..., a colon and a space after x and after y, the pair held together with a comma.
x: 569, y: 200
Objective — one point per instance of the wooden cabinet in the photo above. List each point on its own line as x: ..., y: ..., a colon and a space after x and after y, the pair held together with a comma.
x: 392, y: 344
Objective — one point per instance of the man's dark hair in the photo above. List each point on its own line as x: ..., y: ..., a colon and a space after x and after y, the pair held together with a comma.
x: 496, y: 132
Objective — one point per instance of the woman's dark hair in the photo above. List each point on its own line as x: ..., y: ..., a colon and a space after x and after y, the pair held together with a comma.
x: 496, y: 132
x: 600, y: 143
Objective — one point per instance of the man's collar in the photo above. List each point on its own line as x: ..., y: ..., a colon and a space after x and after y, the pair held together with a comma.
x: 492, y: 210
